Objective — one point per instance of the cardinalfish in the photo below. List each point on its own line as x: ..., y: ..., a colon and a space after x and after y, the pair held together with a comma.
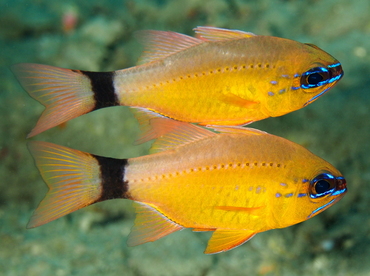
x: 235, y: 184
x: 221, y: 77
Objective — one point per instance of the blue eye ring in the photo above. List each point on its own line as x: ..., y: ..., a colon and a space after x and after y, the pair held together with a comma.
x: 322, y: 185
x: 315, y: 77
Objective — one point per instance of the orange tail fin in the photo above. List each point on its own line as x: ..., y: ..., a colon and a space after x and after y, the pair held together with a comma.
x: 75, y: 179
x: 65, y: 93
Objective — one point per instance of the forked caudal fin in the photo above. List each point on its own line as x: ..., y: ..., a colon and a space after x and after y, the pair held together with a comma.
x: 75, y: 179
x: 65, y: 93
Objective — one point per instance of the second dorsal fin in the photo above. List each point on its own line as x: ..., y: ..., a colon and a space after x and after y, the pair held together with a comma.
x: 218, y: 34
x: 168, y: 133
x: 160, y: 44
x: 176, y: 133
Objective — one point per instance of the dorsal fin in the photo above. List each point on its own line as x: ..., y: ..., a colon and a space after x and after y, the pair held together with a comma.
x: 168, y: 133
x: 160, y: 44
x: 218, y: 34
x: 176, y: 133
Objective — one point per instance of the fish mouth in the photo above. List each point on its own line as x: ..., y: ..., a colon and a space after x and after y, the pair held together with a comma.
x: 335, y: 71
x: 341, y: 188
x: 335, y: 74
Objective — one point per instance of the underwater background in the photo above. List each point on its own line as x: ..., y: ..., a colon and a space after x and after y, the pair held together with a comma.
x: 99, y: 36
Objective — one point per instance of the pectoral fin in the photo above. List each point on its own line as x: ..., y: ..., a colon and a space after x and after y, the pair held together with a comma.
x: 223, y: 240
x: 236, y: 100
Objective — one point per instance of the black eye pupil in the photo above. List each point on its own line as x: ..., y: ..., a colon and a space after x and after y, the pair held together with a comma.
x: 322, y: 186
x: 314, y: 78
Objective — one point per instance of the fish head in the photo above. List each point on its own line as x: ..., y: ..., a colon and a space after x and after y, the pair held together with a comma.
x: 317, y: 193
x: 324, y: 190
x: 318, y: 74
x: 303, y: 74
x: 313, y: 186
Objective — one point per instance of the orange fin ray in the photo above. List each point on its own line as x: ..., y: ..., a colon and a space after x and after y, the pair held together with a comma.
x: 161, y: 44
x: 203, y: 229
x: 167, y: 132
x: 219, y: 34
x: 224, y: 240
x: 177, y: 133
x: 72, y: 177
x: 150, y: 225
x: 65, y: 93
x: 144, y: 118
x: 237, y: 130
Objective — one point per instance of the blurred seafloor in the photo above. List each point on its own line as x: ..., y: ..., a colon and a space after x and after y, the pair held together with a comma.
x: 92, y: 241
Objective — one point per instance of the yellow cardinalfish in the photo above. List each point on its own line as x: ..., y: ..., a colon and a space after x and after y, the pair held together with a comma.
x: 235, y: 184
x: 220, y: 77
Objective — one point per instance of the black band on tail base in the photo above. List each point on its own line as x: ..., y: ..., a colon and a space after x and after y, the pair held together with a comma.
x: 112, y: 172
x: 103, y: 88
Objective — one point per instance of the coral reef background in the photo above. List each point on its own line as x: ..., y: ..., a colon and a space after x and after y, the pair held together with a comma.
x: 99, y: 35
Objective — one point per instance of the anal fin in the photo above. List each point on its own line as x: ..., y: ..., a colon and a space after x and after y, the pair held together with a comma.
x: 223, y: 240
x: 150, y: 225
x: 203, y: 229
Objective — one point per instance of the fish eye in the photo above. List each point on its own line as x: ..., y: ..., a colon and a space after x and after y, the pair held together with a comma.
x: 322, y: 185
x: 315, y: 77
